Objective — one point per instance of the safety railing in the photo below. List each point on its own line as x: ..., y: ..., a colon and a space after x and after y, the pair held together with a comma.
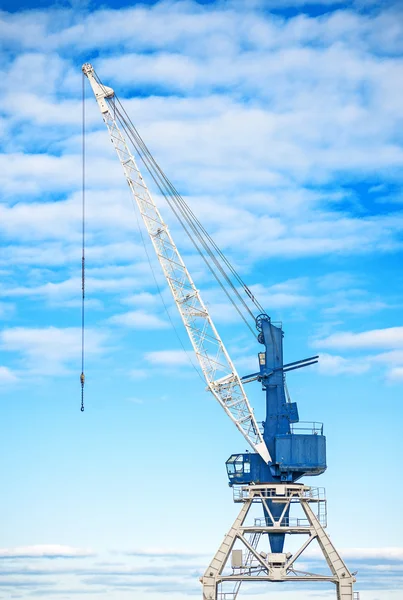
x: 300, y: 428
x: 321, y: 515
x: 286, y: 522
x: 293, y: 492
x: 314, y: 493
x: 307, y: 427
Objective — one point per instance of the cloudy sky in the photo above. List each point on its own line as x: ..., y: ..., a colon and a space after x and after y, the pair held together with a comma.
x: 281, y: 123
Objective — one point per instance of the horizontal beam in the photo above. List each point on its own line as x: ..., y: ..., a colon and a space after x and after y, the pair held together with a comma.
x: 304, y: 360
x: 298, y: 364
x: 286, y: 368
x: 245, y: 577
x: 280, y: 529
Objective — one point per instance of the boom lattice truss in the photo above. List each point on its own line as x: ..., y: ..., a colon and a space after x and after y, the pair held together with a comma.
x: 220, y: 374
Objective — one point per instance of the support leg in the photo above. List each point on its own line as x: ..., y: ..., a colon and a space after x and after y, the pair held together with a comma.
x: 345, y: 580
x: 209, y: 579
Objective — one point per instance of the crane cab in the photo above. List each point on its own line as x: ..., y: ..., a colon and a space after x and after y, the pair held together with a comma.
x: 243, y: 468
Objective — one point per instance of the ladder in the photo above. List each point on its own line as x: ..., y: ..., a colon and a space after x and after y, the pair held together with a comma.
x: 254, y: 541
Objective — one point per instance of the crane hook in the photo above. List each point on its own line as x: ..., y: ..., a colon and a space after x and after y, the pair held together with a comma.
x: 82, y: 376
x: 82, y: 380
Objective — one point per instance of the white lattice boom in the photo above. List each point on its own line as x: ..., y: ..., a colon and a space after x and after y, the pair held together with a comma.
x: 219, y: 371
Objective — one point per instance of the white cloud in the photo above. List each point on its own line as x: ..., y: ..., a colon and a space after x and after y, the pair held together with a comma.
x: 40, y: 111
x: 107, y: 211
x: 69, y: 290
x: 223, y: 311
x: 7, y: 375
x: 45, y: 551
x: 391, y: 337
x: 139, y: 319
x: 50, y: 350
x: 164, y: 552
x: 336, y: 365
x: 100, y: 259
x: 355, y: 307
x: 330, y: 364
x: 141, y: 299
x: 290, y: 132
x: 282, y: 295
x: 395, y: 374
x: 168, y: 358
x: 392, y: 357
x: 25, y: 174
x: 381, y: 554
x: 339, y: 281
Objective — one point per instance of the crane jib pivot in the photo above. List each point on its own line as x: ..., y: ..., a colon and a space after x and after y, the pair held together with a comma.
x: 219, y: 371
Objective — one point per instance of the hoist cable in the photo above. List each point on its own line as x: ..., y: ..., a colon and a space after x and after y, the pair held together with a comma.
x: 184, y: 207
x: 140, y: 147
x: 191, y: 214
x: 177, y: 204
x: 174, y: 209
x: 189, y: 227
x: 82, y: 376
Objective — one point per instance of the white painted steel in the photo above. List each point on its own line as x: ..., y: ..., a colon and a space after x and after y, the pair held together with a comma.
x: 221, y: 376
x: 257, y: 565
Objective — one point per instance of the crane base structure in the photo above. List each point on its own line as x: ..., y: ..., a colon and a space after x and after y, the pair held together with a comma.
x: 243, y: 556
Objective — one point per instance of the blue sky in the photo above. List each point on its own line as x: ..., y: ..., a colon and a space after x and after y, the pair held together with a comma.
x: 281, y: 125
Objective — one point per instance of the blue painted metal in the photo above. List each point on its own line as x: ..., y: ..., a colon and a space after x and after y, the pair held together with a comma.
x: 298, y: 364
x: 301, y: 453
x: 294, y: 454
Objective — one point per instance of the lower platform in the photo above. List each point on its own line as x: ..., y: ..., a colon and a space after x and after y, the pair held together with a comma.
x: 250, y: 550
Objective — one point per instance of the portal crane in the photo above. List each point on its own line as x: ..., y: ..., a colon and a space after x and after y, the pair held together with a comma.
x: 282, y: 453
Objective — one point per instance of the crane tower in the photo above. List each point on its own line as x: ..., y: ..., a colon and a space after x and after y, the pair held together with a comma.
x: 265, y: 480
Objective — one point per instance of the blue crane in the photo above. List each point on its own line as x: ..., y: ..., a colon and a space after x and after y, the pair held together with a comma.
x: 279, y: 454
x: 282, y: 453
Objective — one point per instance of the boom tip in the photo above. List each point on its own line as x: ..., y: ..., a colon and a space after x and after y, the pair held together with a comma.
x: 87, y: 68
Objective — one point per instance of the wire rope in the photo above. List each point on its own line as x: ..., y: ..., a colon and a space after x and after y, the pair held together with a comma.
x: 200, y: 238
x: 140, y: 145
x: 175, y: 209
x: 82, y: 376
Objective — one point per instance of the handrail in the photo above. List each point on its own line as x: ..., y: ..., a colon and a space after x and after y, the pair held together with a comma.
x: 315, y: 427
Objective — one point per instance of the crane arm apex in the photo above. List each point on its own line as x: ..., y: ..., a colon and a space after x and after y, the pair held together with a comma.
x: 100, y: 91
